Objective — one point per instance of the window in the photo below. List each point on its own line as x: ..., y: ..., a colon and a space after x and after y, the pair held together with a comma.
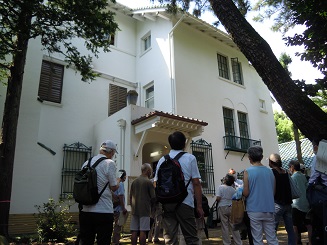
x: 74, y: 157
x: 146, y: 42
x: 149, y: 97
x: 244, y: 132
x: 51, y: 78
x: 117, y: 98
x: 112, y: 39
x: 228, y: 121
x: 262, y: 105
x: 203, y: 154
x: 222, y: 66
x: 229, y: 127
x: 243, y: 125
x: 237, y: 71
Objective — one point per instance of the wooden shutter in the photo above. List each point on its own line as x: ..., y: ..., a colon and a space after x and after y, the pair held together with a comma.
x: 51, y: 78
x: 117, y: 98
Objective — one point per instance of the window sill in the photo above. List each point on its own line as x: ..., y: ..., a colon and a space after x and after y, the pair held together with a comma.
x: 145, y: 51
x: 229, y: 81
x: 45, y: 102
x: 263, y: 111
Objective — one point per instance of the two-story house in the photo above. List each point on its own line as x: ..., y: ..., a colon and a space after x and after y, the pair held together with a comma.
x: 188, y: 75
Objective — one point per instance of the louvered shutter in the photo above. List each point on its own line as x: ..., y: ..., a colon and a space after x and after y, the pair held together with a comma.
x: 51, y: 78
x: 117, y: 98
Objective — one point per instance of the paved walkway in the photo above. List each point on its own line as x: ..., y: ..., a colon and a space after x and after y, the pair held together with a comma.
x: 215, y: 237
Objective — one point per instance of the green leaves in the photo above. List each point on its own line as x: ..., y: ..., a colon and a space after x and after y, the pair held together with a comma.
x: 57, y: 23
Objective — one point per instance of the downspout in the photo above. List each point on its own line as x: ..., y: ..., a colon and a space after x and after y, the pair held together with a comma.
x: 122, y: 125
x: 172, y: 64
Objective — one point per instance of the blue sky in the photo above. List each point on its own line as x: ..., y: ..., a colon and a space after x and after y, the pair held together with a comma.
x: 299, y: 69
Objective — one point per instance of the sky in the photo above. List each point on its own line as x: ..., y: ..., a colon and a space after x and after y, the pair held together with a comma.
x: 299, y: 69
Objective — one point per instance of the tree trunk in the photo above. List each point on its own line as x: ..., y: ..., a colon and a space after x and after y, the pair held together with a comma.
x: 10, y: 121
x: 297, y: 143
x: 309, y: 118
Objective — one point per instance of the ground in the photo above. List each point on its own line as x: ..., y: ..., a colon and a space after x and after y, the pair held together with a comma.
x: 215, y: 237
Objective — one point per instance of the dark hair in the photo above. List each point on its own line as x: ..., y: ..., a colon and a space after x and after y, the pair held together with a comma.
x: 255, y: 153
x: 315, y: 141
x: 296, y: 165
x: 229, y: 179
x: 123, y: 173
x: 177, y: 140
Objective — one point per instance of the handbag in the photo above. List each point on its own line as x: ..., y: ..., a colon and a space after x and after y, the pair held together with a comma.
x: 237, y: 212
x: 294, y: 189
x: 213, y: 217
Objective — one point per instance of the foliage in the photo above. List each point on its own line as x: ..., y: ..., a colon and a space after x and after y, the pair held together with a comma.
x: 285, y: 60
x: 284, y: 127
x: 56, y: 23
x: 53, y: 221
x: 311, y: 14
x: 321, y: 99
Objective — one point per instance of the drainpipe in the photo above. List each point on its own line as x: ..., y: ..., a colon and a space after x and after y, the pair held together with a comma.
x: 172, y: 64
x: 122, y: 125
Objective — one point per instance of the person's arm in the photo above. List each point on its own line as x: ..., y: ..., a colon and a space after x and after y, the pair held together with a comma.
x: 198, y: 196
x: 115, y: 187
x: 246, y: 184
x: 218, y: 199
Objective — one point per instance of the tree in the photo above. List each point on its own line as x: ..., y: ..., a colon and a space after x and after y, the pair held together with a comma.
x: 312, y: 15
x: 56, y: 23
x: 299, y: 108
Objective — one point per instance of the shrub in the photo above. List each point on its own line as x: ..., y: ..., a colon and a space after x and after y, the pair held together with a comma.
x: 53, y: 222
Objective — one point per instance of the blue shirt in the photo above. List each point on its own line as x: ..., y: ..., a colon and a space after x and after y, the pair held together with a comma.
x: 190, y: 170
x: 261, y: 190
x: 120, y: 192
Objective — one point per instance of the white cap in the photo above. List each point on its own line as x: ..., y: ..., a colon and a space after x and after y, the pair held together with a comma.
x: 107, y: 145
x: 302, y: 166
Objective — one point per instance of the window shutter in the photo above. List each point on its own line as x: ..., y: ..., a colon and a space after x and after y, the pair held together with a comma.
x: 117, y: 98
x: 51, y: 78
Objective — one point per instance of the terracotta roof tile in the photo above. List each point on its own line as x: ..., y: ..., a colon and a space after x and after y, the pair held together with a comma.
x: 169, y: 115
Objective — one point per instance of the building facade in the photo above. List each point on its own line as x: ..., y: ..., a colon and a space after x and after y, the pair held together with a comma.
x: 188, y: 76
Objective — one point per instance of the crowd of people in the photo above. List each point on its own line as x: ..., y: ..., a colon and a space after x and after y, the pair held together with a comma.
x: 266, y: 191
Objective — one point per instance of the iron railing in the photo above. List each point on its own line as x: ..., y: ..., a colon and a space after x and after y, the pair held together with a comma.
x: 239, y: 144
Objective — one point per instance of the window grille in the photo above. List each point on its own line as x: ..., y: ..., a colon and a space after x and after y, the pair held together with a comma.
x: 51, y: 79
x: 117, y: 98
x: 74, y: 157
x: 223, y: 66
x: 203, y: 153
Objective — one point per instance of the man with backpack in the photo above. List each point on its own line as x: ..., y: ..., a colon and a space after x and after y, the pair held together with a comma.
x: 97, y: 219
x: 181, y: 211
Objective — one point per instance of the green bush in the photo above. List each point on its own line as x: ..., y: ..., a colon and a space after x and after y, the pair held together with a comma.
x: 53, y: 222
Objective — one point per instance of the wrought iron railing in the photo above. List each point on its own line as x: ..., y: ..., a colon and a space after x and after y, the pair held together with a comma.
x: 239, y: 144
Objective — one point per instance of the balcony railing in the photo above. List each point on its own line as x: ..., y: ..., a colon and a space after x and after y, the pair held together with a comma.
x: 239, y: 144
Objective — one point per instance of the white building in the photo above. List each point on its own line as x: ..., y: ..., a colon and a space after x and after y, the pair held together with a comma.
x: 189, y: 77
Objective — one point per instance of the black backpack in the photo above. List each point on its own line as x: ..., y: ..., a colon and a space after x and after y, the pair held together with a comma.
x: 85, y: 184
x: 170, y: 186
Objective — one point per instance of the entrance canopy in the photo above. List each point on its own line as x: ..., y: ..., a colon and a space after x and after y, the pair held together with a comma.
x: 161, y: 122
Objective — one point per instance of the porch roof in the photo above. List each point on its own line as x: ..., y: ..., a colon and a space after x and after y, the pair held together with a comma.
x: 159, y: 121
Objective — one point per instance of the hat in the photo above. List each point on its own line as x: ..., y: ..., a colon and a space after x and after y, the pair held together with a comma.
x: 107, y: 145
x: 302, y: 166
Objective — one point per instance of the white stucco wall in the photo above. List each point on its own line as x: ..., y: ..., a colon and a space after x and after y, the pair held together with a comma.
x: 201, y: 94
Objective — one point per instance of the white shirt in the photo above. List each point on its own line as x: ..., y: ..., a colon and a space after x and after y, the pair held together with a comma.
x: 106, y: 172
x: 226, y: 193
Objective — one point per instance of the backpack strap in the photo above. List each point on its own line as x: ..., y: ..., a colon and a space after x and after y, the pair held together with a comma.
x: 178, y: 156
x: 94, y: 166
